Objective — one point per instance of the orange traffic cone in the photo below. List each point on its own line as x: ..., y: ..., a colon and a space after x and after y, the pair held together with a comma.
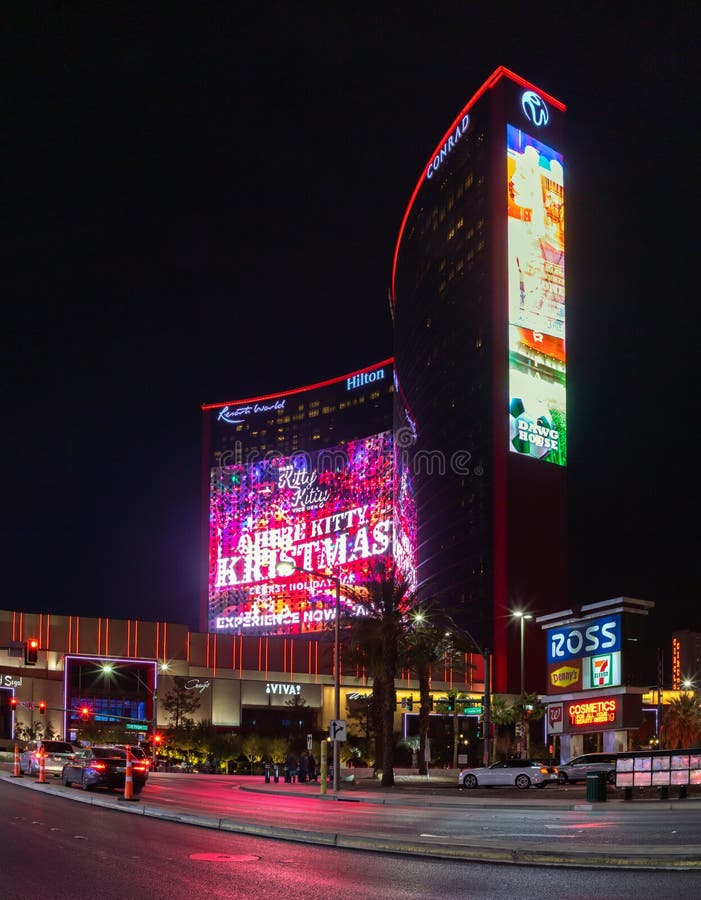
x: 16, y: 773
x: 129, y: 779
x: 42, y: 767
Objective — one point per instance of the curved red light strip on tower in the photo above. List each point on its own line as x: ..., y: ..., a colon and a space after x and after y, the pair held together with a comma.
x: 499, y: 73
x: 310, y: 387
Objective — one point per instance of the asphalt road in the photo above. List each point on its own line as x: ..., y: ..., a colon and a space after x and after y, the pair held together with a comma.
x: 551, y: 827
x: 58, y: 850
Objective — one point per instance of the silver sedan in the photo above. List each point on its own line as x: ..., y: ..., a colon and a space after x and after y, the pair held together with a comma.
x: 520, y: 773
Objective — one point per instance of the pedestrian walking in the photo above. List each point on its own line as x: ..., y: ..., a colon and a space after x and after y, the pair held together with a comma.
x: 311, y: 766
x: 292, y: 766
x: 303, y: 767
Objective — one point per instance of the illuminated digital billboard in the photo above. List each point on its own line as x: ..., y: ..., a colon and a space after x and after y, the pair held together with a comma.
x: 329, y: 511
x: 536, y: 255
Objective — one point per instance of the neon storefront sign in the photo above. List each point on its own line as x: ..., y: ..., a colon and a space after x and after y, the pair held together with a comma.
x: 593, y: 712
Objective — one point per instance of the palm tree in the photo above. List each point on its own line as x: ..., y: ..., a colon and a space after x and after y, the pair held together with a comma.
x: 427, y: 643
x: 681, y: 722
x: 379, y: 639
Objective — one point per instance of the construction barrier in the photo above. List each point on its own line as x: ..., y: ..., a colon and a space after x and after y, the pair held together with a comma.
x: 16, y: 773
x: 42, y: 767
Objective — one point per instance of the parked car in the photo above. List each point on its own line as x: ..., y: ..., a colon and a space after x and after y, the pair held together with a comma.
x: 520, y: 773
x: 103, y: 767
x: 137, y: 752
x: 55, y: 754
x: 579, y: 767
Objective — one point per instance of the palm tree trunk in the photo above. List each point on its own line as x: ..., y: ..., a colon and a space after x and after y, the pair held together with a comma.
x: 424, y: 719
x: 389, y: 703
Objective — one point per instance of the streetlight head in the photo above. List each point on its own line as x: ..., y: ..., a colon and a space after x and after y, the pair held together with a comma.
x: 285, y: 567
x: 107, y: 668
x: 520, y: 614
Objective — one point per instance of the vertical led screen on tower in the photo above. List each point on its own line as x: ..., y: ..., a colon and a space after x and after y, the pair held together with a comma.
x: 330, y: 510
x: 536, y: 254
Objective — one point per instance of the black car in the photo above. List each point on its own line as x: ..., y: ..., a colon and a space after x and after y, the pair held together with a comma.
x: 104, y: 767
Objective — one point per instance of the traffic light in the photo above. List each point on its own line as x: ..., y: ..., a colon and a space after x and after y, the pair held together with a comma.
x: 450, y: 705
x: 157, y: 738
x: 42, y: 708
x: 404, y: 703
x: 31, y: 652
x: 85, y: 713
x: 410, y: 703
x: 13, y: 703
x: 480, y: 725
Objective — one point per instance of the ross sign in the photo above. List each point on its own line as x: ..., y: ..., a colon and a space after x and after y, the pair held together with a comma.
x: 337, y: 730
x: 585, y: 639
x: 593, y: 712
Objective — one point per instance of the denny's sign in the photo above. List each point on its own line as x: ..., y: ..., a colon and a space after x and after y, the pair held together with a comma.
x: 565, y: 676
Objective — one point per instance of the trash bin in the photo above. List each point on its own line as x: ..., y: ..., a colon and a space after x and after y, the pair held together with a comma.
x: 596, y: 787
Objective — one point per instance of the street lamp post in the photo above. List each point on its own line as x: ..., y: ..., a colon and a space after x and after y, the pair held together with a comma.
x: 522, y: 616
x: 287, y: 567
x: 154, y: 716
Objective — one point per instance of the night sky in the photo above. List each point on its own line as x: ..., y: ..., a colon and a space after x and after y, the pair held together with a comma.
x: 201, y: 203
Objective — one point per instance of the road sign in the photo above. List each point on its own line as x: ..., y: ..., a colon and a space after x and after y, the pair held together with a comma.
x: 337, y: 730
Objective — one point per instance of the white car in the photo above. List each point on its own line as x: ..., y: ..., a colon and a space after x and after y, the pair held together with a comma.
x: 520, y: 773
x: 55, y: 753
x: 579, y: 767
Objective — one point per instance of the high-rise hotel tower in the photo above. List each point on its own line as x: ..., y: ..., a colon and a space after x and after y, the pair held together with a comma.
x: 478, y: 298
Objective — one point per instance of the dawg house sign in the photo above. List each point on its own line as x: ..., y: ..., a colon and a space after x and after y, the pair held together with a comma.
x: 585, y: 655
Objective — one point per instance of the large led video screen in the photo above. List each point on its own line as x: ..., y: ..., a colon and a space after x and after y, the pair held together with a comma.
x: 536, y: 253
x: 328, y: 512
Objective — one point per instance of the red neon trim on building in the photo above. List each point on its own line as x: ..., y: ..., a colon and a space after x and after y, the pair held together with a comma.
x: 300, y: 390
x: 493, y: 79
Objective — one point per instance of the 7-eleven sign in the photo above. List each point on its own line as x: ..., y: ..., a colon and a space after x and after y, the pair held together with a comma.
x: 602, y: 670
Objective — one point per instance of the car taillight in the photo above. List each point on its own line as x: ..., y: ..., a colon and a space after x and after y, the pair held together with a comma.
x: 544, y: 770
x: 139, y: 767
x: 98, y: 766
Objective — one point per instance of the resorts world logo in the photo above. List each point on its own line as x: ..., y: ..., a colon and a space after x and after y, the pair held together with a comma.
x: 534, y: 109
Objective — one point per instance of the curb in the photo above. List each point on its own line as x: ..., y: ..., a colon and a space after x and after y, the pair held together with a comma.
x: 630, y: 858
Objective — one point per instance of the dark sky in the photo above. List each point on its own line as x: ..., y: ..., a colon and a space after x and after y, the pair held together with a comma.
x: 201, y: 202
